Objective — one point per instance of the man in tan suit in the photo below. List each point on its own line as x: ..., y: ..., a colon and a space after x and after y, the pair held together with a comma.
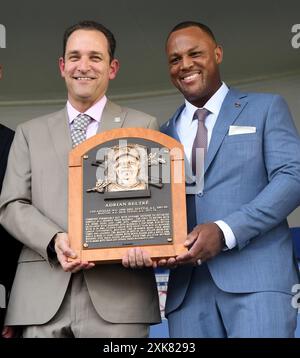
x: 52, y: 297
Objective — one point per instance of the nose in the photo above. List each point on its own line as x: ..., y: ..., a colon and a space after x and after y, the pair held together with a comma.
x: 83, y: 65
x: 186, y: 62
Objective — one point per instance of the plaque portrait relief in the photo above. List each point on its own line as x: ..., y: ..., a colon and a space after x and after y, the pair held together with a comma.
x: 127, y: 164
x: 127, y: 188
x: 126, y: 168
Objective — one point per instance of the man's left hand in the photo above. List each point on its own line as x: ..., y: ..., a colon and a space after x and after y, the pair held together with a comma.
x: 203, y: 243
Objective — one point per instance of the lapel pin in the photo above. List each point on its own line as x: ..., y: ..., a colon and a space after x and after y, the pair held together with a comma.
x: 237, y: 104
x: 117, y: 120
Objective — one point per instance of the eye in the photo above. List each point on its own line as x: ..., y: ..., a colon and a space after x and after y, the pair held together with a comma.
x: 195, y: 54
x: 96, y: 58
x: 73, y: 58
x: 174, y: 60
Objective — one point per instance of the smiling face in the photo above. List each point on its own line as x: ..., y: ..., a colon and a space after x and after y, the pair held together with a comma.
x: 127, y: 169
x: 87, y: 68
x: 194, y: 59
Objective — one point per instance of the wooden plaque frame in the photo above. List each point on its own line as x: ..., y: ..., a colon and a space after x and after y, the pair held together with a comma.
x: 115, y: 254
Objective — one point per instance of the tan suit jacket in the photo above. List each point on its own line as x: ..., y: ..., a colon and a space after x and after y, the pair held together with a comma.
x: 33, y: 208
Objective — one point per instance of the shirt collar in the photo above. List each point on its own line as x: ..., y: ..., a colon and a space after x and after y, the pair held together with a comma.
x: 213, y: 105
x: 94, y: 112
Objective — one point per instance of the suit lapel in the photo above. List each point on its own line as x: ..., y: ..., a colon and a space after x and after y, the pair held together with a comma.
x: 60, y: 136
x: 171, y: 131
x: 112, y: 117
x: 171, y: 125
x: 232, y: 106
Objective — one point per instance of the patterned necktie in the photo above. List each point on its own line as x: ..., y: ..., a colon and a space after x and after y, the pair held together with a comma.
x: 79, y: 127
x: 200, y: 140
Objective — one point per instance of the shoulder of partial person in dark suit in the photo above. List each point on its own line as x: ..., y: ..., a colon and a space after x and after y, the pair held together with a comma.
x: 6, y: 133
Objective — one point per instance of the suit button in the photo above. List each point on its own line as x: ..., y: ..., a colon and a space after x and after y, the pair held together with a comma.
x: 200, y: 194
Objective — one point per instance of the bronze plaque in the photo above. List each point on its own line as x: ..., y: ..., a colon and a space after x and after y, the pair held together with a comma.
x: 126, y: 188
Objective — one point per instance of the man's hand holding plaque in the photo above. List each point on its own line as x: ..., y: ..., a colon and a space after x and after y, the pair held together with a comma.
x: 65, y: 253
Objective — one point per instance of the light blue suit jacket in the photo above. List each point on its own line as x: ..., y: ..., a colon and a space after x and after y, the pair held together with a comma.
x: 252, y: 182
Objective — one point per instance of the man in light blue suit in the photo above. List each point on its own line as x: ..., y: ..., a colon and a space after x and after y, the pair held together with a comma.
x: 236, y: 278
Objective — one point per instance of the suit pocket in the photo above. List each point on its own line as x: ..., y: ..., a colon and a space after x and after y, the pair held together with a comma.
x: 241, y: 148
x: 248, y: 137
x: 28, y: 255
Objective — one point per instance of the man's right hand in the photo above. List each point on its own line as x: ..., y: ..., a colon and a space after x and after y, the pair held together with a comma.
x: 64, y: 252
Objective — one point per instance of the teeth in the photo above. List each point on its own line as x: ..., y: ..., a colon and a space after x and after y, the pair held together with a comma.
x: 191, y: 77
x: 83, y: 78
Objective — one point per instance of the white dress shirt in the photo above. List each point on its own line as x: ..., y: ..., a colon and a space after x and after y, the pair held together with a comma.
x: 187, y: 128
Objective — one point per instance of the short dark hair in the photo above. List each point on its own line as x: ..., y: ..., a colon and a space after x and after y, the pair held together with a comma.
x: 185, y: 24
x: 91, y: 25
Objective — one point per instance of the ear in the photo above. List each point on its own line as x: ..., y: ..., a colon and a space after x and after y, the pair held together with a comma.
x: 113, y: 68
x: 61, y: 64
x: 218, y: 54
